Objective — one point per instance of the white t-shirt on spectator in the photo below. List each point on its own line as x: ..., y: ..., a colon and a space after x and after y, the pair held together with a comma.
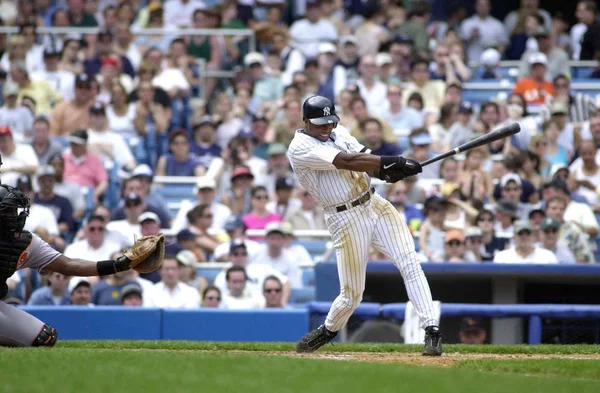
x: 129, y: 231
x: 20, y: 120
x: 41, y: 216
x: 375, y: 97
x: 577, y: 32
x: 581, y: 214
x: 82, y: 249
x: 178, y: 13
x: 34, y: 60
x: 122, y: 125
x: 23, y: 155
x: 539, y: 255
x: 183, y: 296
x: 61, y: 81
x: 248, y: 301
x: 121, y: 151
x: 285, y: 264
x: 257, y: 273
x: 307, y: 36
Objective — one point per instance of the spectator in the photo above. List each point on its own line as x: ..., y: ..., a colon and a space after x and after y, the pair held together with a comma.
x: 454, y: 246
x: 107, y: 292
x: 506, y: 215
x: 154, y: 18
x: 70, y: 115
x: 415, y: 29
x: 170, y: 292
x: 432, y: 231
x: 96, y: 245
x: 61, y: 81
x: 587, y: 177
x: 83, y: 167
x: 121, y: 113
x: 55, y: 294
x: 432, y: 91
x: 236, y: 229
x: 275, y: 255
x: 313, y: 26
x: 211, y: 297
x: 332, y: 77
x: 180, y: 12
x: 77, y: 15
x: 549, y: 240
x: 169, y: 78
x: 309, y: 215
x: 105, y: 49
x: 188, y: 263
x: 42, y: 145
x: 129, y: 227
x: 303, y: 258
x: 440, y: 131
x: 180, y: 162
x: 278, y: 168
x: 443, y: 67
x: 462, y: 130
x: 17, y: 117
x: 59, y: 205
x: 145, y: 175
x: 238, y: 198
x: 348, y: 57
x: 71, y: 191
x: 259, y: 216
x: 401, y: 118
x: 474, y: 248
x: 131, y: 296
x: 521, y: 38
x: 372, y: 138
x: 517, y: 112
x: 292, y: 59
x: 397, y: 194
x: 125, y: 46
x: 558, y: 59
x: 511, y: 191
x: 136, y: 185
x: 79, y: 290
x: 240, y: 296
x: 535, y: 88
x: 525, y: 250
x: 283, y: 201
x: 39, y: 90
x: 200, y: 219
x: 490, y: 60
x: 420, y: 150
x: 17, y: 158
x: 273, y: 292
x: 371, y: 89
x: 203, y: 142
x: 590, y: 42
x: 475, y: 182
x: 580, y: 107
x: 266, y: 88
x: 492, y: 244
x: 536, y: 216
x: 69, y: 56
x: 472, y: 331
x: 482, y: 31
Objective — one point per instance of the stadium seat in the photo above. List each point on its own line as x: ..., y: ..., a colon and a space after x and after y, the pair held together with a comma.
x: 302, y: 295
x: 314, y: 247
x: 308, y: 277
x: 210, y: 273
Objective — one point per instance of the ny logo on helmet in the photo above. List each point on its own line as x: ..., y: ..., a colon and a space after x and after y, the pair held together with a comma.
x: 326, y: 111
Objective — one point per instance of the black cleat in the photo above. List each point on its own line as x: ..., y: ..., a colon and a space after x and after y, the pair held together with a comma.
x: 315, y: 340
x: 433, y: 341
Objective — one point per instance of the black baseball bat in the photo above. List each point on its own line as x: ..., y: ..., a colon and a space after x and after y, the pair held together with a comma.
x: 480, y: 141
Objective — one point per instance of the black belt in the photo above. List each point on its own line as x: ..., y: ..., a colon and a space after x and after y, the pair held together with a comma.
x: 360, y: 201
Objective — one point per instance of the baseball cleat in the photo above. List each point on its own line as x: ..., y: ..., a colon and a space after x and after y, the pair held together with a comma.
x: 315, y: 340
x: 433, y: 341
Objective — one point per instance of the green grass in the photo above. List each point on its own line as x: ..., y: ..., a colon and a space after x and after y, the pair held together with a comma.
x: 89, y: 369
x: 572, y: 368
x: 259, y: 346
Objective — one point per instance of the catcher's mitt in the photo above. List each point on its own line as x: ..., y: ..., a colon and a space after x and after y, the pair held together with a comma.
x: 147, y: 254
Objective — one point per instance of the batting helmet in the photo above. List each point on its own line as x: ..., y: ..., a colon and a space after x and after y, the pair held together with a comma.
x: 319, y: 110
x: 14, y: 209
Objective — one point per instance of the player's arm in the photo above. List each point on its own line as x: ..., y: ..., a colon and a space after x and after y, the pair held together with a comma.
x: 82, y: 268
x: 389, y: 168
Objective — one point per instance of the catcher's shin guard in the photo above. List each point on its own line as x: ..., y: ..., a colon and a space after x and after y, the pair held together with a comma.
x: 47, y: 338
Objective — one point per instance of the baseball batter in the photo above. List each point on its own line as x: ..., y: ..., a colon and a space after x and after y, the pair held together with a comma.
x: 335, y: 168
x: 21, y: 249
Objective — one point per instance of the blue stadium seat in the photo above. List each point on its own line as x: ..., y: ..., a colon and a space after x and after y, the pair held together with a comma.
x: 308, y: 277
x: 302, y: 295
x: 209, y: 273
x: 314, y: 247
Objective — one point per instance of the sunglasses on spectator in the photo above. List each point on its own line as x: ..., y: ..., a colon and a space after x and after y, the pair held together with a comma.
x: 217, y: 298
x: 261, y: 197
x: 488, y: 219
x: 525, y: 232
x: 454, y: 243
x: 96, y: 229
x: 273, y: 290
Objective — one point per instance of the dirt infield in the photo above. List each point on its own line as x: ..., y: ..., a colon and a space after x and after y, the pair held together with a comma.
x: 448, y: 359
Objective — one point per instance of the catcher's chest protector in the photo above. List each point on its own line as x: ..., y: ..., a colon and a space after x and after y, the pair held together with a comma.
x: 12, y: 250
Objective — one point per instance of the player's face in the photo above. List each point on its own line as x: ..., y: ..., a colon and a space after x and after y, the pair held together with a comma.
x: 322, y: 132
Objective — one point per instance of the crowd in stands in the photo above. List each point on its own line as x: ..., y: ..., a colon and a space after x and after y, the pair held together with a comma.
x: 89, y: 121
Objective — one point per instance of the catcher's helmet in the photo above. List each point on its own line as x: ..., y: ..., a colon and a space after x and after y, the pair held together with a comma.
x: 14, y: 209
x: 319, y: 110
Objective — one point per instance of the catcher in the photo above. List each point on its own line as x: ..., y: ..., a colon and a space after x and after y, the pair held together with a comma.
x: 21, y: 249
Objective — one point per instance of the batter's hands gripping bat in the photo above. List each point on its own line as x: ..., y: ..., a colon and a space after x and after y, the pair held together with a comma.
x: 480, y: 141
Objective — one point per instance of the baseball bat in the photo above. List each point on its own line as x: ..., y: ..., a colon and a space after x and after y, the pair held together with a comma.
x: 480, y: 141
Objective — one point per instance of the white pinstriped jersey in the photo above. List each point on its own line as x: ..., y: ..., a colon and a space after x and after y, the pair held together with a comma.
x: 312, y: 161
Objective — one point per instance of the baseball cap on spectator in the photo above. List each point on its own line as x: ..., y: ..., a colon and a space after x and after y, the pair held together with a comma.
x: 5, y: 130
x: 253, y: 58
x: 312, y: 3
x: 284, y: 183
x: 435, y: 202
x: 79, y: 137
x: 178, y: 132
x: 421, y: 138
x: 541, y: 31
x: 98, y: 109
x: 454, y: 234
x: 560, y: 185
x: 185, y: 234
x: 522, y: 225
x: 506, y: 207
x: 130, y: 289
x: 288, y: 229
x: 403, y: 39
x: 327, y: 47
x: 259, y: 117
x: 538, y: 58
x: 205, y: 183
x: 235, y: 244
x: 510, y: 177
x: 490, y: 57
x: 76, y: 282
x: 382, y: 59
x: 155, y: 6
x: 10, y: 88
x: 142, y: 170
x: 233, y: 223
x: 348, y: 39
x: 473, y: 232
x: 274, y: 226
x: 276, y: 148
x: 536, y: 211
x: 465, y: 107
x: 50, y: 52
x: 241, y: 171
x: 470, y: 324
x: 186, y: 258
x: 148, y: 216
x: 559, y: 108
x: 45, y: 170
x: 109, y: 61
x: 549, y: 223
x: 83, y: 79
x: 206, y: 119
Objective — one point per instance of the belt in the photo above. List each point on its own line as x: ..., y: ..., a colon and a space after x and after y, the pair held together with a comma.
x: 359, y: 201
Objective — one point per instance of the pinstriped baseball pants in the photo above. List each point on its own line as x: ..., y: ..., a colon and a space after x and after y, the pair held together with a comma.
x: 353, y: 231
